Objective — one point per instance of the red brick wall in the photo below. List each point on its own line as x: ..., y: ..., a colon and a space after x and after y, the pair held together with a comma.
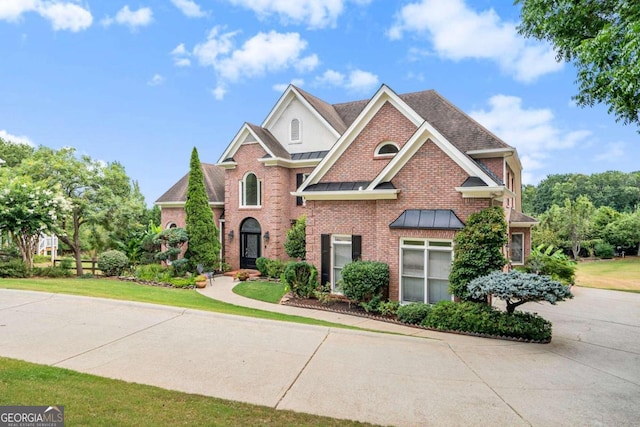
x: 357, y: 163
x: 427, y: 181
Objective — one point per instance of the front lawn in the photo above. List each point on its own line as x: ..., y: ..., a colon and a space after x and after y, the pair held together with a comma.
x: 263, y: 291
x: 617, y: 274
x: 91, y: 400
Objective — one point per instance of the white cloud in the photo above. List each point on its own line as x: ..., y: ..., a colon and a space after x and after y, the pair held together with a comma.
x: 457, y: 32
x: 532, y: 131
x: 63, y: 15
x: 313, y: 13
x: 181, y: 56
x: 15, y: 139
x: 281, y: 87
x: 131, y: 18
x: 264, y: 53
x: 156, y: 80
x: 189, y: 8
x: 356, y: 81
x: 615, y: 151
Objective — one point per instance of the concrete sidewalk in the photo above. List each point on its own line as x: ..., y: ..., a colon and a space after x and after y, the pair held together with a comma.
x: 588, y: 375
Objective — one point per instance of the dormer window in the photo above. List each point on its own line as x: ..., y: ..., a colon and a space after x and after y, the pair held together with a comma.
x: 296, y: 130
x: 386, y: 149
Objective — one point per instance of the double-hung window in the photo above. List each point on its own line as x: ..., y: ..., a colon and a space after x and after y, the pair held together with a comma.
x: 424, y: 270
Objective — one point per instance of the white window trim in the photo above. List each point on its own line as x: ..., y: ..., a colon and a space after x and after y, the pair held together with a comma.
x: 377, y: 154
x: 299, y: 140
x: 242, y: 188
x: 426, y: 247
x: 520, y: 262
x: 335, y: 242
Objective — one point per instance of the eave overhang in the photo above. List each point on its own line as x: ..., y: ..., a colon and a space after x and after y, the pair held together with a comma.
x: 485, y: 192
x: 181, y: 204
x: 523, y: 224
x: 387, y: 194
x: 291, y: 164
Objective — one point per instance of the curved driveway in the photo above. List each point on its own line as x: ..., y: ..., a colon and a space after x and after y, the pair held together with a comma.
x: 588, y: 375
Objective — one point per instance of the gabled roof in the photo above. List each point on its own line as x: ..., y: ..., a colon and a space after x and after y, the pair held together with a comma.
x: 259, y: 135
x: 213, y: 183
x: 326, y: 110
x: 274, y: 147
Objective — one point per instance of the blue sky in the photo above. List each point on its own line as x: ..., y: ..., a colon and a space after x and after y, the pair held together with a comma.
x: 143, y: 82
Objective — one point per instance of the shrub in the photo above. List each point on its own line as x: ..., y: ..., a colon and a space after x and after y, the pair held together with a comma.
x: 296, y: 244
x: 301, y: 278
x: 112, y: 263
x: 516, y: 288
x: 389, y: 308
x: 484, y: 319
x: 544, y: 260
x: 413, y: 313
x: 14, y: 268
x: 149, y: 271
x: 261, y: 265
x: 180, y: 267
x: 272, y: 268
x: 604, y: 250
x: 182, y: 282
x: 478, y: 249
x: 51, y: 272
x: 67, y: 263
x: 363, y: 281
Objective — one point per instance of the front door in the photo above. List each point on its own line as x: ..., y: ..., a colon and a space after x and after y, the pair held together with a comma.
x: 250, y: 235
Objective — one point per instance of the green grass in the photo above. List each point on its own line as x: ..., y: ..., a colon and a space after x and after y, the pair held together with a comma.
x: 95, y: 401
x: 131, y: 291
x: 263, y: 291
x: 618, y: 274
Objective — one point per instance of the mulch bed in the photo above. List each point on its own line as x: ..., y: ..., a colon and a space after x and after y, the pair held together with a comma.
x: 344, y: 307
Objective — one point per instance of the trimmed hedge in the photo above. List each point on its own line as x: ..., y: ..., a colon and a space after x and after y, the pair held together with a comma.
x: 112, y: 263
x: 362, y: 281
x: 413, y: 313
x: 271, y: 268
x: 484, y: 319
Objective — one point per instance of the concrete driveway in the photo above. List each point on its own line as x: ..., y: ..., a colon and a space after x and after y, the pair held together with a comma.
x: 588, y: 375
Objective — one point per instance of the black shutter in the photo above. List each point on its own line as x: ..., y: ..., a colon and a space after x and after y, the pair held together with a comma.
x: 325, y: 258
x: 299, y: 179
x: 356, y: 248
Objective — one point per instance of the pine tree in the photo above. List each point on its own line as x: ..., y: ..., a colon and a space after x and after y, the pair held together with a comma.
x: 204, y: 243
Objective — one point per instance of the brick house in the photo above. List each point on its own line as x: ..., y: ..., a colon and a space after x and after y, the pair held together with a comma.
x: 391, y: 178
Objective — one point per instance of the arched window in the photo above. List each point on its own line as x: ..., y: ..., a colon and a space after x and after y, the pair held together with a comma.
x: 386, y: 149
x: 172, y: 225
x: 296, y: 130
x: 250, y: 190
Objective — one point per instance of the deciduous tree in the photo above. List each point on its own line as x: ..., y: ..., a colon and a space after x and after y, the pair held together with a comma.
x: 602, y: 39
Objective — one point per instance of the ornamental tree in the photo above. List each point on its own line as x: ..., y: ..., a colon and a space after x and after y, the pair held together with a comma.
x: 516, y: 288
x: 28, y: 209
x: 204, y: 240
x: 478, y: 249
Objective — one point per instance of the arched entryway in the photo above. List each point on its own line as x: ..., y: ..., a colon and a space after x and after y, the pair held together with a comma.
x: 250, y: 234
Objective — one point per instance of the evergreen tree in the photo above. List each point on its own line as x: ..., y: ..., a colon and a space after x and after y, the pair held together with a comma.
x: 296, y: 243
x: 204, y: 243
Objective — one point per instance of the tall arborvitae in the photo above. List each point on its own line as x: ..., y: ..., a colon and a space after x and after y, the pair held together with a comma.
x: 204, y: 243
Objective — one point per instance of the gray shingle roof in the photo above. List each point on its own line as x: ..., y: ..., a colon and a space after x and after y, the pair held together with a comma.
x: 213, y: 183
x: 516, y: 216
x: 326, y: 110
x: 270, y: 141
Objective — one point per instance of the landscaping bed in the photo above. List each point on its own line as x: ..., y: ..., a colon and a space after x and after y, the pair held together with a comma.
x: 345, y: 307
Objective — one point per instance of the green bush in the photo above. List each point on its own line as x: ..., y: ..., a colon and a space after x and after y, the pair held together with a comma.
x: 363, y: 281
x: 604, y: 250
x: 272, y: 268
x: 483, y: 319
x: 14, y: 268
x: 261, y: 265
x: 182, y: 282
x: 154, y: 273
x: 51, y: 272
x: 112, y: 263
x: 544, y: 260
x: 67, y: 263
x: 413, y: 313
x: 301, y: 278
